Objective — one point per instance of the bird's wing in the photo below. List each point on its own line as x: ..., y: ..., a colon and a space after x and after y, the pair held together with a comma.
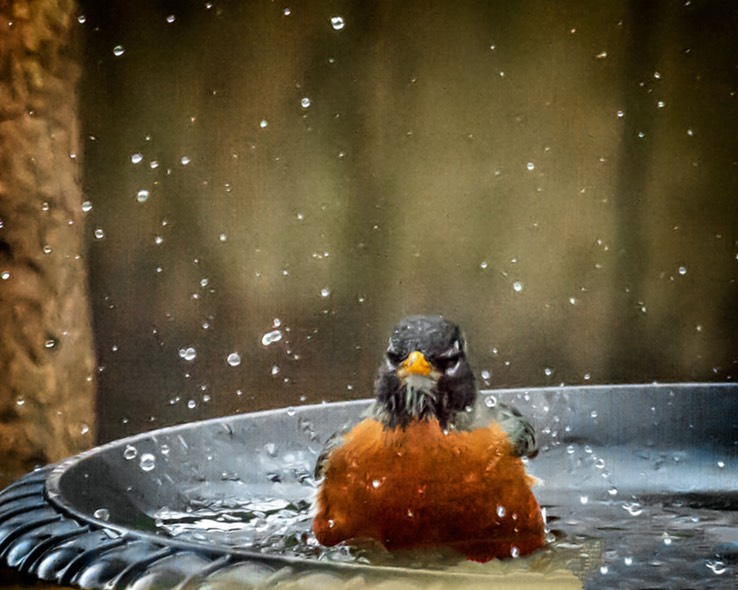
x: 521, y: 432
x: 335, y: 440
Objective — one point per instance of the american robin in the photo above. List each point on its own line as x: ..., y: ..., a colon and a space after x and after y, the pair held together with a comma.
x: 416, y: 473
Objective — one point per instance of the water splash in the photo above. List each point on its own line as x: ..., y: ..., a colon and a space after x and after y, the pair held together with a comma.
x: 271, y: 337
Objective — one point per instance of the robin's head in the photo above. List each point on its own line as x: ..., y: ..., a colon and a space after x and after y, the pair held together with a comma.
x: 425, y: 373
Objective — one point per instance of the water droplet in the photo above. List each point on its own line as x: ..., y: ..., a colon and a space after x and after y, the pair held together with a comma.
x: 633, y: 508
x: 530, y: 166
x: 234, y: 359
x: 514, y: 552
x: 500, y: 511
x: 548, y: 371
x: 102, y: 514
x: 271, y: 337
x: 118, y: 50
x: 171, y: 18
x: 570, y: 449
x: 682, y: 270
x: 99, y: 233
x: 142, y: 196
x: 136, y: 158
x: 583, y: 499
x: 263, y: 123
x: 189, y: 354
x: 485, y: 374
x: 148, y: 462
x: 573, y: 300
x: 291, y: 411
x: 483, y: 265
x: 305, y: 102
x: 184, y: 160
x: 721, y: 464
x: 601, y: 55
x: 661, y: 104
x: 20, y: 401
x: 690, y: 132
x: 628, y: 560
x: 81, y: 19
x: 337, y: 23
x: 87, y: 206
x: 666, y: 538
x: 47, y: 249
x: 517, y: 286
x: 593, y: 414
x: 604, y: 569
x: 376, y: 483
x: 191, y: 404
x: 717, y: 566
x: 620, y: 114
x: 613, y: 491
x: 287, y: 11
x: 130, y: 452
x: 275, y: 370
x: 325, y: 292
x: 84, y: 429
x: 490, y: 401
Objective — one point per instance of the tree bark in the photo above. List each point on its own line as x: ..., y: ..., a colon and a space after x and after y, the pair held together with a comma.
x: 47, y: 383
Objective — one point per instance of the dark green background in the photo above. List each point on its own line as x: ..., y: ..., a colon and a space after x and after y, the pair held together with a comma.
x: 405, y: 187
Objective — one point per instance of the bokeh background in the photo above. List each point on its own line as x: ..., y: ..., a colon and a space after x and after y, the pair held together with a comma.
x: 271, y: 185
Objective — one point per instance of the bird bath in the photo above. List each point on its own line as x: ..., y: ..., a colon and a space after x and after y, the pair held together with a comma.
x: 638, y: 484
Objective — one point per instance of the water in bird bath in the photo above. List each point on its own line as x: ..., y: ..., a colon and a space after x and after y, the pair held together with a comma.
x: 604, y: 540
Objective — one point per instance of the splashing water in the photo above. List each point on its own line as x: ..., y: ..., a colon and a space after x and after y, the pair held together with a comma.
x: 602, y: 542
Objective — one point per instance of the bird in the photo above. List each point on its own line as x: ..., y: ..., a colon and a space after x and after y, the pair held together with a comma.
x: 419, y: 471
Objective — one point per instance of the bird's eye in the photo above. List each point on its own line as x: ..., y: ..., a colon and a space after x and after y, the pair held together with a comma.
x: 394, y: 357
x: 448, y: 363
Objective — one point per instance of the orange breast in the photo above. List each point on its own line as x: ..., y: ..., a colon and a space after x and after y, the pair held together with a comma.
x: 420, y: 487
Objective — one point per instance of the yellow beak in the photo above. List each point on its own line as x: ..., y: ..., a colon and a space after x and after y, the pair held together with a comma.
x: 414, y: 364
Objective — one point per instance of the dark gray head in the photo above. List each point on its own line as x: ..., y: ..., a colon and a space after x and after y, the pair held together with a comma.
x: 425, y: 373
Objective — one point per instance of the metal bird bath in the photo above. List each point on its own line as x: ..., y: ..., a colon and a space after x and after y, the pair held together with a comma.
x: 639, y: 486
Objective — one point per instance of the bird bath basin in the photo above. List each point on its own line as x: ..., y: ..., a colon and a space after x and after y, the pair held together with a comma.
x: 638, y: 483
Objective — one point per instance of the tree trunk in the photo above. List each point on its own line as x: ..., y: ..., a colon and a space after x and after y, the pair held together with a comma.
x: 47, y: 382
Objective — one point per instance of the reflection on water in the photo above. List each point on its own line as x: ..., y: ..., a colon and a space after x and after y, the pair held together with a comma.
x: 269, y: 525
x: 634, y: 542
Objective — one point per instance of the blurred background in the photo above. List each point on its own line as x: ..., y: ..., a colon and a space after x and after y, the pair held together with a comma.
x: 269, y: 186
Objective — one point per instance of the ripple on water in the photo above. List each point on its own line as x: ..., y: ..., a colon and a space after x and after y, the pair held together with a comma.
x: 661, y: 542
